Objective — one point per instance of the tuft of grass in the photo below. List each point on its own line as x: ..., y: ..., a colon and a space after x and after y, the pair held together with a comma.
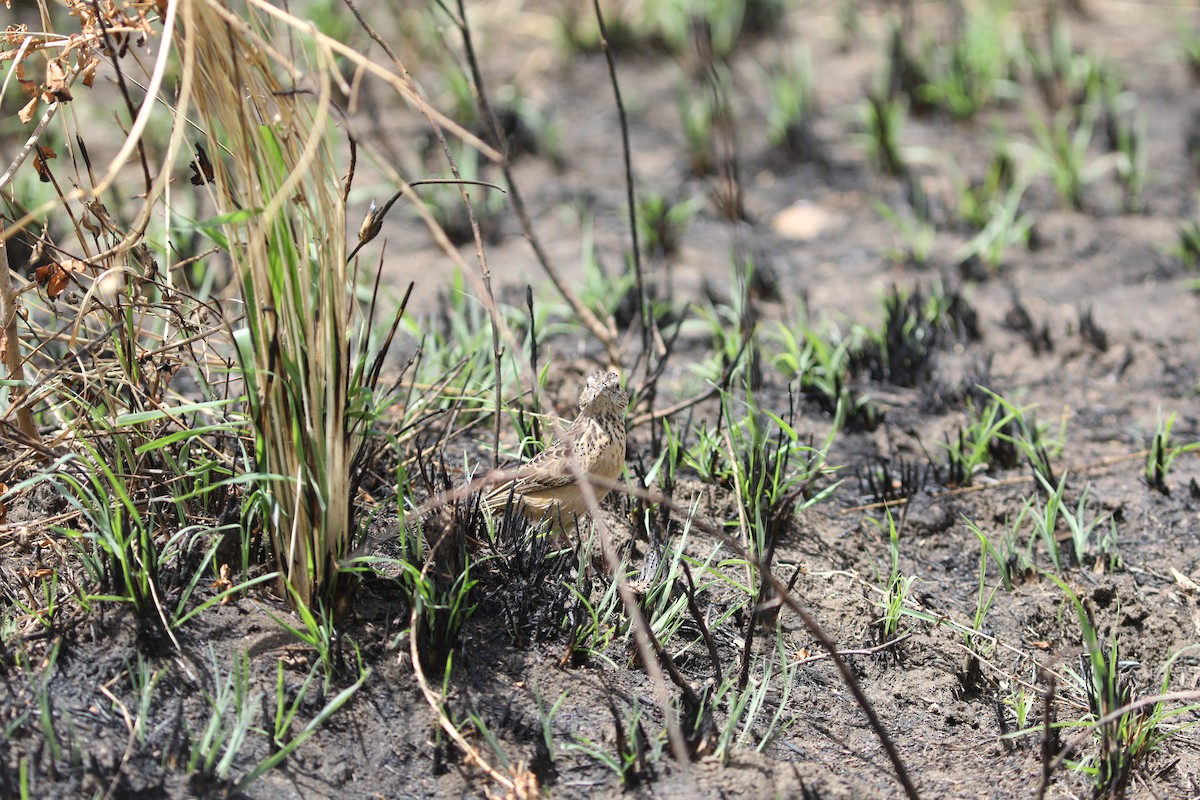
x: 1189, y: 46
x: 749, y: 720
x: 1090, y: 538
x: 723, y: 23
x: 1063, y: 150
x: 1011, y: 561
x: 1002, y: 225
x: 1133, y: 157
x: 976, y: 199
x: 1125, y: 732
x: 610, y: 294
x: 579, y: 32
x: 697, y: 112
x: 436, y: 571
x: 1055, y: 64
x: 792, y: 107
x: 1161, y: 455
x: 285, y: 742
x: 896, y: 591
x: 1187, y: 248
x: 917, y: 233
x: 232, y: 707
x: 973, y: 71
x: 662, y: 222
x: 773, y: 469
x: 823, y: 367
x: 1031, y: 438
x: 883, y: 120
x: 982, y: 444
x: 308, y: 373
x: 915, y: 325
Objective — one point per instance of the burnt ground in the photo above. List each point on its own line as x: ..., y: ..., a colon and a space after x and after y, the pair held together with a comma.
x: 815, y: 228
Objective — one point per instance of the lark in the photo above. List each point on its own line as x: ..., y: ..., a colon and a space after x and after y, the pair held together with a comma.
x: 547, y: 488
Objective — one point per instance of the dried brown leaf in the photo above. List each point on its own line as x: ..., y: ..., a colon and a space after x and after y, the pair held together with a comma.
x: 13, y: 35
x: 58, y: 283
x: 42, y: 274
x: 57, y: 84
x: 40, y: 158
x: 99, y: 211
x: 223, y: 582
x: 26, y: 113
x: 55, y: 278
x: 87, y: 68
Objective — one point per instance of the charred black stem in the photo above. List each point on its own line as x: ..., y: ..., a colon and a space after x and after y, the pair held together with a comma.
x: 694, y: 608
x: 1049, y: 736
x: 643, y: 298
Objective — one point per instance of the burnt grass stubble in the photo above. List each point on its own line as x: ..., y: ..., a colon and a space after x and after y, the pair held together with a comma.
x: 1067, y: 325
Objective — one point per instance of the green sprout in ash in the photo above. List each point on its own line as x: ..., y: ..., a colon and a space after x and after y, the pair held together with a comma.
x: 792, y: 108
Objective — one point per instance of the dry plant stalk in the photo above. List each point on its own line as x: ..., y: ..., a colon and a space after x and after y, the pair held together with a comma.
x: 10, y: 346
x: 276, y: 181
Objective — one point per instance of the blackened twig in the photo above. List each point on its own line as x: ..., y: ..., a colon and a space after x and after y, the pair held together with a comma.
x: 643, y: 299
x: 694, y: 608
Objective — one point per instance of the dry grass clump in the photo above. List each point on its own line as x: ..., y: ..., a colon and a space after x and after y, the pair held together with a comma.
x: 275, y: 185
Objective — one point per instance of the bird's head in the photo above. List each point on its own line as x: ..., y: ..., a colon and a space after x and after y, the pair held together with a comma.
x: 602, y: 393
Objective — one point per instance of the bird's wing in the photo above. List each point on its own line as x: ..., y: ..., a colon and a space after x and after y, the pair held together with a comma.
x: 549, y: 469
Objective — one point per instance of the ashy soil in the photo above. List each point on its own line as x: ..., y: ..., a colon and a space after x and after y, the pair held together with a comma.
x: 1093, y: 329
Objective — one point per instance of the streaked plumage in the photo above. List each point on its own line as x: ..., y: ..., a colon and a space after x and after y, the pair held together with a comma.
x: 546, y: 487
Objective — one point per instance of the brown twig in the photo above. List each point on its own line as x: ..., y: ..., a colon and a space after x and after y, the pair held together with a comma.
x: 860, y: 651
x: 604, y: 333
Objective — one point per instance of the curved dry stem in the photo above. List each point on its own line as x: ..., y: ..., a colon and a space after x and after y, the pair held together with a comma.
x: 432, y: 698
x: 401, y: 83
x: 642, y: 635
x: 606, y: 334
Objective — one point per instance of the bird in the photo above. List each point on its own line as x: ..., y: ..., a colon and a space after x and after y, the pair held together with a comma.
x: 546, y: 489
